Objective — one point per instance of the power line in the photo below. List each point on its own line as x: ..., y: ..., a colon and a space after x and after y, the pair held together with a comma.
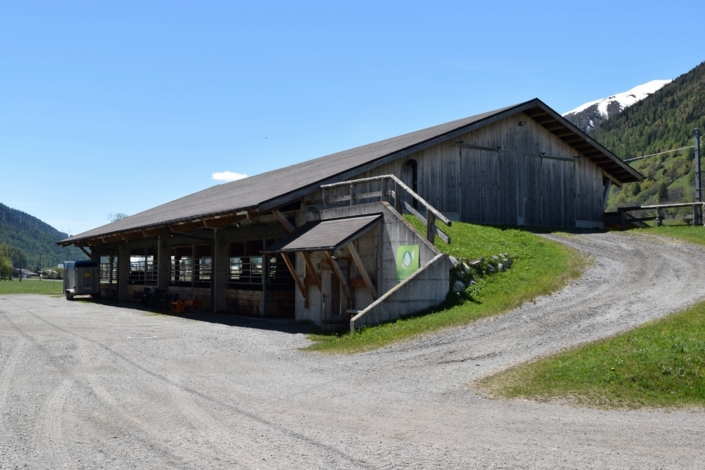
x: 627, y: 160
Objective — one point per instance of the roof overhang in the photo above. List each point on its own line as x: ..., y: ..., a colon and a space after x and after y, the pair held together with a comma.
x: 325, y: 235
x: 614, y: 167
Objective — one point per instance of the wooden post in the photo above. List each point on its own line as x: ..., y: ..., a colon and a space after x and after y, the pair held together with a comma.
x: 299, y: 284
x: 265, y: 280
x: 323, y: 195
x: 339, y: 272
x: 384, y: 189
x: 659, y: 217
x: 397, y: 197
x: 363, y: 272
x: 696, y: 222
x: 352, y: 194
x: 623, y: 216
x: 430, y: 226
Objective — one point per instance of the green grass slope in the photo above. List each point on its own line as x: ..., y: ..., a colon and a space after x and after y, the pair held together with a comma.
x: 539, y: 267
x: 661, y: 364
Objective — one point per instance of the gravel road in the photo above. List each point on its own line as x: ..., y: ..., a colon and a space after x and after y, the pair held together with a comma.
x: 84, y: 385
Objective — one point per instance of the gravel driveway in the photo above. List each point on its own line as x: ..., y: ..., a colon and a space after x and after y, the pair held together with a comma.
x: 94, y: 386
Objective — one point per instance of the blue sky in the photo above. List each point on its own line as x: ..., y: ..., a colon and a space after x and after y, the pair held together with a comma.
x: 110, y: 107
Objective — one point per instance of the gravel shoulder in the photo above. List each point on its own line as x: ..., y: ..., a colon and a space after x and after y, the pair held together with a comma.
x: 95, y: 386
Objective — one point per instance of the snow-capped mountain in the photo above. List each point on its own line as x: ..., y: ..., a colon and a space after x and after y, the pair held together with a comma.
x: 590, y: 115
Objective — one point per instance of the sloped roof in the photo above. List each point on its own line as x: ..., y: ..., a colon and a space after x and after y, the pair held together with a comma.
x: 274, y: 188
x: 322, y: 235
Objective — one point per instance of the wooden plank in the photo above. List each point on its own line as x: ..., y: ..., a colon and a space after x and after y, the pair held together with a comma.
x: 339, y: 273
x: 363, y: 272
x: 311, y: 270
x: 283, y: 220
x: 299, y: 284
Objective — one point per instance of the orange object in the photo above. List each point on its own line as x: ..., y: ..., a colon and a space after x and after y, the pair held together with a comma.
x: 194, y: 304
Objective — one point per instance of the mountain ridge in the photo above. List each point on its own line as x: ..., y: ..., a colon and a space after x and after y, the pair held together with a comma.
x: 33, y: 239
x: 590, y: 115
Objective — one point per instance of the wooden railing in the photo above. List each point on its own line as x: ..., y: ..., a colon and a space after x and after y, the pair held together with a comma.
x: 625, y: 217
x: 389, y: 186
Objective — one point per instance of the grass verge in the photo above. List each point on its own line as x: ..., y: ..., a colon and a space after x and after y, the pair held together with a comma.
x: 661, y: 364
x: 31, y: 286
x: 539, y: 267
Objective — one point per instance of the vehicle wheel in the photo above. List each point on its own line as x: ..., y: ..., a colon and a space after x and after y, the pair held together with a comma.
x: 69, y: 295
x: 95, y: 296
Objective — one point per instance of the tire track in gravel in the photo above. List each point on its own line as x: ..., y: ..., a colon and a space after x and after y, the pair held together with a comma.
x: 6, y: 374
x: 208, y: 431
x: 48, y: 438
x: 44, y: 439
x: 123, y: 420
x: 316, y: 447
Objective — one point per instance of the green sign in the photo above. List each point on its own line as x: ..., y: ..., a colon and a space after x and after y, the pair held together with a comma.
x: 407, y: 261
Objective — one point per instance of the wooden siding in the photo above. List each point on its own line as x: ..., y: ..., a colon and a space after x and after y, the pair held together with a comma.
x: 515, y: 185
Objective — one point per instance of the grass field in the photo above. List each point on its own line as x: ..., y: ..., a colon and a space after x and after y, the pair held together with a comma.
x: 661, y: 364
x: 31, y: 286
x: 540, y: 266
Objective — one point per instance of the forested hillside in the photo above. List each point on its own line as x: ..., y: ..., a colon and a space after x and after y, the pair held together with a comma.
x: 660, y: 122
x: 32, y: 240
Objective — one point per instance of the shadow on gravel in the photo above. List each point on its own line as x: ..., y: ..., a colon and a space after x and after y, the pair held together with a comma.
x: 283, y: 325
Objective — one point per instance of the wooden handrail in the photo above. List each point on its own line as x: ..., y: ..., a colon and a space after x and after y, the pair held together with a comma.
x: 400, y: 183
x: 697, y: 214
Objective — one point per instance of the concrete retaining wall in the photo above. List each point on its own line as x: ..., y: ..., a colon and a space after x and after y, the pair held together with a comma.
x: 426, y: 288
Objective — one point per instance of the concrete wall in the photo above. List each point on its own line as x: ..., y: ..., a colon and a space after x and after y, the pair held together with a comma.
x: 379, y: 258
x: 425, y: 289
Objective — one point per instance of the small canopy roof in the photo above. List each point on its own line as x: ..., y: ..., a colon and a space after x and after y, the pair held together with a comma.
x: 324, y: 235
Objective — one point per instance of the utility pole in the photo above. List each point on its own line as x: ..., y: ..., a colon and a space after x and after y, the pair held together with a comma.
x: 698, y: 181
x: 698, y: 189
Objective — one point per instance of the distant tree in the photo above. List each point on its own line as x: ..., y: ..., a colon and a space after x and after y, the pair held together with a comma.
x: 117, y: 216
x: 5, y: 267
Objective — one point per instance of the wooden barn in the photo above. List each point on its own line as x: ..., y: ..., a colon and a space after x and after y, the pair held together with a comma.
x: 325, y: 240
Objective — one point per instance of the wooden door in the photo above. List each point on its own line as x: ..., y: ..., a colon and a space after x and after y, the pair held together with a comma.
x: 333, y: 300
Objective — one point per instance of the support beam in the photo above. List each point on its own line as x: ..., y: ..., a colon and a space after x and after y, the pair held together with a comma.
x: 187, y: 227
x: 223, y: 221
x: 88, y: 253
x: 363, y: 272
x: 153, y: 232
x: 339, y: 273
x: 299, y: 284
x: 123, y: 269
x: 307, y: 258
x: 163, y: 263
x: 220, y: 271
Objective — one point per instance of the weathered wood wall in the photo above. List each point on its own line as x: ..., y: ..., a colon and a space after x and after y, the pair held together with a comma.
x: 515, y: 185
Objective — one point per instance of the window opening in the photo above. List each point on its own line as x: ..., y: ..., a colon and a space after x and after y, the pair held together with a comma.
x: 247, y: 266
x: 143, y: 266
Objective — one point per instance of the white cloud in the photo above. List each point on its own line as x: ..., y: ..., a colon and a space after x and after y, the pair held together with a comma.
x: 228, y: 176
